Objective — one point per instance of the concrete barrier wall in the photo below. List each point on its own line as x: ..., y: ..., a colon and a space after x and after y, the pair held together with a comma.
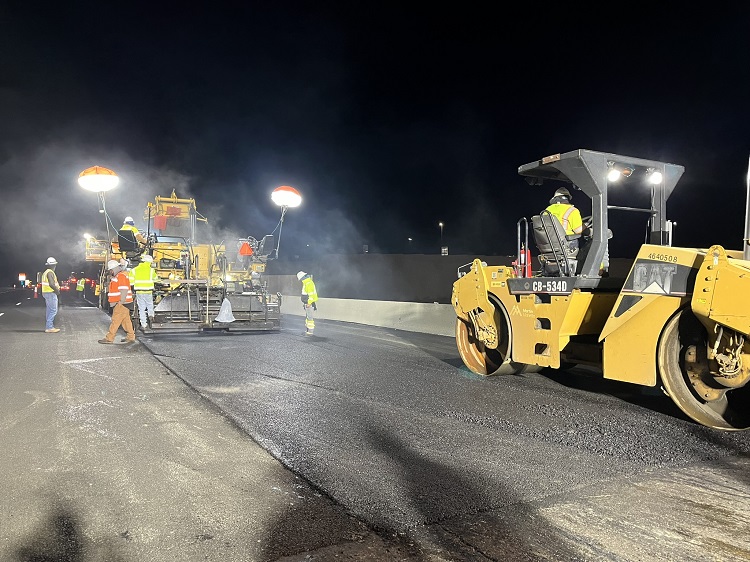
x: 384, y: 277
x: 348, y: 297
x: 428, y: 318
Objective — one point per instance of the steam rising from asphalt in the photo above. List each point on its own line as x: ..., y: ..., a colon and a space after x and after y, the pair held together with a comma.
x: 46, y: 212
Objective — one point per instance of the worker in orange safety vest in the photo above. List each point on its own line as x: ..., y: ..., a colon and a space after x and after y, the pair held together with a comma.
x: 120, y: 297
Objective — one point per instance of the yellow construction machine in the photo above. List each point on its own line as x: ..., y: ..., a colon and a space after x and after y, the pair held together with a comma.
x: 678, y: 318
x: 200, y: 285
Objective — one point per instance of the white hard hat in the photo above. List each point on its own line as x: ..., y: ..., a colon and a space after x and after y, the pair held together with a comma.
x: 129, y: 220
x: 300, y: 275
x: 146, y: 257
x: 111, y: 264
x: 51, y: 261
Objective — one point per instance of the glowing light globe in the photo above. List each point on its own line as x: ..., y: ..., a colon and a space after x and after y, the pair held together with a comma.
x: 286, y: 196
x: 97, y: 179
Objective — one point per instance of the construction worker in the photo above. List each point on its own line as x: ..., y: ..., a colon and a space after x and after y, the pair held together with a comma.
x: 80, y: 286
x: 569, y: 216
x: 144, y: 290
x: 309, y: 298
x: 120, y: 299
x: 50, y: 292
x: 129, y: 224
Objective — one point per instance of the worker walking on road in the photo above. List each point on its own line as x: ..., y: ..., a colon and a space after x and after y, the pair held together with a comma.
x: 121, y: 301
x: 50, y: 292
x: 309, y: 298
x: 144, y: 277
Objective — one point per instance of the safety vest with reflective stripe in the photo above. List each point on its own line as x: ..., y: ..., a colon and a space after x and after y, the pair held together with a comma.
x: 130, y: 227
x: 308, y: 288
x: 45, y: 281
x: 117, y: 283
x: 569, y: 217
x: 136, y: 233
x: 144, y: 277
x: 81, y: 284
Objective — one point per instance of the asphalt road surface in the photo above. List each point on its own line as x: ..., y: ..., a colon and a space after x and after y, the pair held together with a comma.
x: 551, y: 466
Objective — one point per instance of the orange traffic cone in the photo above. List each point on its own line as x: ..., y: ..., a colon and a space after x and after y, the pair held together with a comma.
x: 35, y: 295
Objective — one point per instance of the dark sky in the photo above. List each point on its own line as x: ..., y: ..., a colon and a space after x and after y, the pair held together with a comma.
x: 388, y: 119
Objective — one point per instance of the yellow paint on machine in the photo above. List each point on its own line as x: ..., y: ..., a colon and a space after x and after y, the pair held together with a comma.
x: 629, y: 348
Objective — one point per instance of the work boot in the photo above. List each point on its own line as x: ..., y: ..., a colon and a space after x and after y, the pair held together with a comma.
x: 104, y: 341
x: 52, y: 330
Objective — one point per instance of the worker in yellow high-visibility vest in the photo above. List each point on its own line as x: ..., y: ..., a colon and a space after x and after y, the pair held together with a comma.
x: 80, y: 286
x: 569, y: 216
x: 50, y: 292
x: 129, y: 224
x: 143, y: 283
x: 309, y: 298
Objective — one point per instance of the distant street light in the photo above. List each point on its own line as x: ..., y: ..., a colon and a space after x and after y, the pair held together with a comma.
x: 440, y: 224
x: 100, y: 180
x: 285, y: 196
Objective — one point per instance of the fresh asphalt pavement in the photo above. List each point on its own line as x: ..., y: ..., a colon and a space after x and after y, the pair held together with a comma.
x: 401, y: 451
x: 557, y: 466
x: 107, y: 456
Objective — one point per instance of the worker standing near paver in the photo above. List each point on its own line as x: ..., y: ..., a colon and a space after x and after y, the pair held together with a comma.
x: 121, y: 301
x: 143, y: 283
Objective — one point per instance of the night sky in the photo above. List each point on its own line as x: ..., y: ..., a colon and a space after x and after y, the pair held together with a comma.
x: 388, y: 119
